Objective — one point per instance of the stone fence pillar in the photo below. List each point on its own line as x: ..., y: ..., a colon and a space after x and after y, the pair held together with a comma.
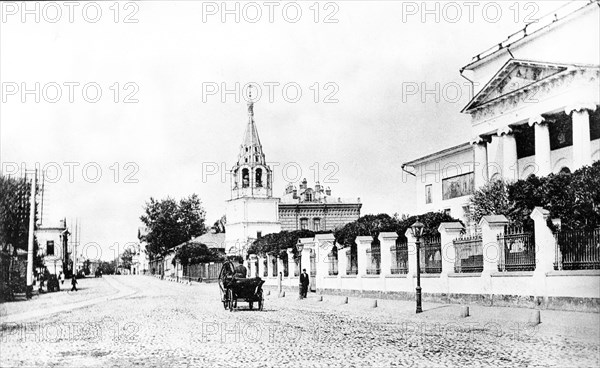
x: 545, y: 243
x: 324, y: 245
x: 261, y: 266
x: 342, y: 261
x: 291, y: 263
x: 252, y: 259
x: 448, y: 232
x: 387, y: 241
x: 491, y: 227
x: 412, y: 253
x: 270, y: 258
x: 362, y: 244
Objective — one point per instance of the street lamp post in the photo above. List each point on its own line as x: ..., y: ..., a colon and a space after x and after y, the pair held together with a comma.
x: 417, y: 231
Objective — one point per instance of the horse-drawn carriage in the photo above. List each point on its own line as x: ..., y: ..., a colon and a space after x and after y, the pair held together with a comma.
x: 235, y: 288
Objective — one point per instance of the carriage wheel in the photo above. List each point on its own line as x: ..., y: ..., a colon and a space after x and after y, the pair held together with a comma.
x: 231, y: 300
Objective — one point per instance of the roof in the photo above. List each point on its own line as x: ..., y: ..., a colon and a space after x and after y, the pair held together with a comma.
x: 517, y: 75
x: 532, y: 28
x: 448, y: 151
x: 211, y: 240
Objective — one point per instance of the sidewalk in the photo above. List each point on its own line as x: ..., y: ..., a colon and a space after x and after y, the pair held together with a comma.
x: 578, y: 325
x: 90, y: 291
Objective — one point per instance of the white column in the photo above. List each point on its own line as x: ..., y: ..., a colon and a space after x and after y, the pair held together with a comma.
x: 480, y: 164
x: 412, y: 253
x: 491, y: 227
x: 448, y: 232
x: 324, y: 244
x: 291, y: 263
x: 510, y: 170
x: 362, y: 244
x: 582, y: 148
x: 542, y: 146
x: 545, y: 243
x: 261, y: 267
x: 342, y: 261
x: 387, y: 241
x: 253, y: 269
x: 279, y: 267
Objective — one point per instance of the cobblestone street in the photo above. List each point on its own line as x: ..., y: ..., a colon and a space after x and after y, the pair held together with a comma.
x: 169, y: 324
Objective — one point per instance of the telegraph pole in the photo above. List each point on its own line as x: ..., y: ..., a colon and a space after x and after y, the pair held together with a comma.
x: 30, y: 240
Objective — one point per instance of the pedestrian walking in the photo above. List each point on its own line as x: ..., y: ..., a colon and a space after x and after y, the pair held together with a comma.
x: 304, y: 281
x: 74, y: 283
x: 62, y: 278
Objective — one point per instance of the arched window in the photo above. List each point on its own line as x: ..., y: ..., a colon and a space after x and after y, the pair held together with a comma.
x: 258, y: 178
x: 245, y: 178
x: 565, y: 170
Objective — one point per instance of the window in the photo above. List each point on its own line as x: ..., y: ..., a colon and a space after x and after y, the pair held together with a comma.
x: 525, y: 139
x: 561, y: 131
x: 428, y: 193
x: 245, y: 178
x: 447, y: 212
x: 458, y: 186
x: 317, y: 224
x: 303, y: 224
x: 50, y: 248
x: 258, y: 178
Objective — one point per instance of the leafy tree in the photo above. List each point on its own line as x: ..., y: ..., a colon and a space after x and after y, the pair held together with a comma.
x: 14, y: 211
x: 126, y: 258
x: 108, y: 268
x: 491, y: 199
x: 373, y: 225
x: 278, y: 243
x: 572, y: 197
x: 195, y: 253
x: 171, y: 223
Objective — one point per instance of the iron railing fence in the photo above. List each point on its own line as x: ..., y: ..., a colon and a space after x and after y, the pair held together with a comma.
x: 352, y: 265
x: 203, y: 271
x: 374, y: 259
x: 332, y: 259
x: 517, y: 250
x: 577, y: 250
x: 399, y: 258
x: 469, y: 254
x: 431, y: 254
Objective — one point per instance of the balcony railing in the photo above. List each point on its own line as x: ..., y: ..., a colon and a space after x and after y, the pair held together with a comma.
x: 469, y: 254
x: 578, y: 250
x: 517, y: 250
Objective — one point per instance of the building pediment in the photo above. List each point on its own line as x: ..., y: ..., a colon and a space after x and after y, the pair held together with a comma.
x: 513, y: 78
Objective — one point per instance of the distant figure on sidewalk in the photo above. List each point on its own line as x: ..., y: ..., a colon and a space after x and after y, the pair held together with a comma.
x: 304, y: 281
x: 74, y: 283
x: 62, y: 278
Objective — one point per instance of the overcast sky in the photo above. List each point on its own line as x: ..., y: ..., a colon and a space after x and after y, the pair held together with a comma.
x: 178, y: 53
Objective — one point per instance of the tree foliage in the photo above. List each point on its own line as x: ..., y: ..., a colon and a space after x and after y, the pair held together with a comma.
x: 171, y: 223
x: 219, y: 225
x: 278, y: 243
x: 126, y: 258
x: 373, y: 225
x: 572, y: 197
x: 195, y: 253
x: 14, y: 211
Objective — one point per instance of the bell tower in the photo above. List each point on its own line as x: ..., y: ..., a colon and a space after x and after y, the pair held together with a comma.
x: 251, y: 177
x: 251, y: 211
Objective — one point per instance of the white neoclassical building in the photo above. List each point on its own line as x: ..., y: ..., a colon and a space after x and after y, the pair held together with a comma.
x: 534, y: 111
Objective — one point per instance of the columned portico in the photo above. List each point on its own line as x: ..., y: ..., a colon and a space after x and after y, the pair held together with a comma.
x: 542, y: 145
x: 509, y: 154
x: 582, y: 149
x: 480, y: 165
